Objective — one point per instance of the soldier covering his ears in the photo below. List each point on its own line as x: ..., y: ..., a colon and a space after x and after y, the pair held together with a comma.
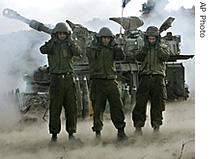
x: 102, y: 55
x: 60, y: 50
x: 152, y: 86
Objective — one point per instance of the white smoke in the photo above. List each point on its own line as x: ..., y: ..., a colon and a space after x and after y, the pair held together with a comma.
x: 19, y: 53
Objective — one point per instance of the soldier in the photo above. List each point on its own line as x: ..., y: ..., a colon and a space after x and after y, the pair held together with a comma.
x: 60, y: 50
x: 153, y: 56
x: 102, y: 55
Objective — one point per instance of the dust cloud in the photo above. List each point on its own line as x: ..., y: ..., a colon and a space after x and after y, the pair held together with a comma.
x: 31, y: 141
x: 18, y: 53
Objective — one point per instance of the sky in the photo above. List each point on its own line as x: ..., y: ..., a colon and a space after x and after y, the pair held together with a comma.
x: 82, y: 11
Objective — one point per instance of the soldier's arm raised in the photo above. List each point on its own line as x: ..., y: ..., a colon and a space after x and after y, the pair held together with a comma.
x: 76, y: 50
x: 163, y: 52
x: 47, y: 47
x: 118, y: 53
x: 142, y: 53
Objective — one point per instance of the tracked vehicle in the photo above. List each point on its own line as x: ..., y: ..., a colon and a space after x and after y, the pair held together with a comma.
x: 38, y: 81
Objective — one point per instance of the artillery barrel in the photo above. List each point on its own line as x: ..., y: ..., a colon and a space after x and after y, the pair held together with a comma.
x: 9, y: 13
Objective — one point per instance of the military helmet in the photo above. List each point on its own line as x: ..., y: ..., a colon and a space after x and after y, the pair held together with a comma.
x: 152, y: 31
x: 105, y: 32
x: 61, y: 27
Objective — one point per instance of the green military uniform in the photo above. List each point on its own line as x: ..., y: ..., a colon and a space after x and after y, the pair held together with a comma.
x: 152, y: 84
x: 103, y: 77
x: 62, y: 85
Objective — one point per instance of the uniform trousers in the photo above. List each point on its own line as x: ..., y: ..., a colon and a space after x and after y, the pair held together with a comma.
x: 151, y: 88
x: 101, y: 91
x: 62, y: 93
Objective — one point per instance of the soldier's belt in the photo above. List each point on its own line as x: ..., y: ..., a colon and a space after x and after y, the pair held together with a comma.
x: 152, y: 75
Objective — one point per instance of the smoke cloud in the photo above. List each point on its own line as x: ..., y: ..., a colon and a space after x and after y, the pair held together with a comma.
x: 19, y: 53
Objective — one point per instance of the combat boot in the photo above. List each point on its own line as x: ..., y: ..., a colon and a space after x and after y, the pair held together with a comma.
x: 54, y: 137
x: 121, y: 135
x: 71, y: 136
x: 98, y: 134
x: 75, y: 142
x: 156, y: 128
x: 138, y: 131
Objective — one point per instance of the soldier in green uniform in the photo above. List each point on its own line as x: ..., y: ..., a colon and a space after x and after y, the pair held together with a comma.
x: 60, y: 50
x: 153, y: 56
x: 102, y: 55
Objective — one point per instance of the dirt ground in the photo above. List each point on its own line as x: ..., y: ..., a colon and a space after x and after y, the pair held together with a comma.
x: 176, y: 139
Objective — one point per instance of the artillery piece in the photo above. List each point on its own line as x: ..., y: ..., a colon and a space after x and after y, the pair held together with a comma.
x: 128, y: 70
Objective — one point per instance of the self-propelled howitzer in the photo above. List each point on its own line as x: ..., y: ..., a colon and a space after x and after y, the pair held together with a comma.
x: 127, y: 70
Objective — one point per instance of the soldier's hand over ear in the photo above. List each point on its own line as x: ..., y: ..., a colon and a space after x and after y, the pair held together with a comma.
x: 144, y: 50
x: 52, y: 40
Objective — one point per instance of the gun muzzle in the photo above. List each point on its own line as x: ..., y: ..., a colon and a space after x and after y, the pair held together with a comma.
x: 9, y: 13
